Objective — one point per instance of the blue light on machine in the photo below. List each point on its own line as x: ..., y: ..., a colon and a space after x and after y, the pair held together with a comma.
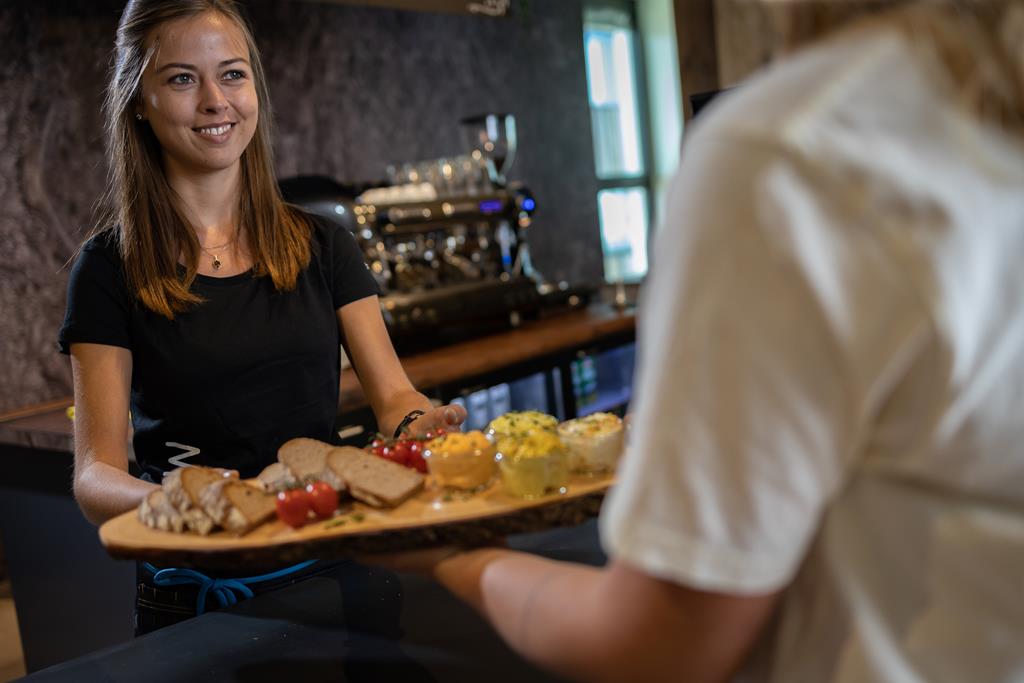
x: 529, y: 204
x: 490, y: 206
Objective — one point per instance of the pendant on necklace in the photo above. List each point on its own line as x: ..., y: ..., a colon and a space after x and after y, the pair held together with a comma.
x: 216, y: 263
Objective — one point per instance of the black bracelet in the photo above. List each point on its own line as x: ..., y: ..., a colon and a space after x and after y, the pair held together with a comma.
x: 406, y: 421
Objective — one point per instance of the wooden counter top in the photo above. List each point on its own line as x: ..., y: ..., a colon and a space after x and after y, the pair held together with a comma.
x: 46, y: 425
x: 475, y: 357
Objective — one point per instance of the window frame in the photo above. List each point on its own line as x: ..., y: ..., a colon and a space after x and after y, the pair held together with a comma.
x: 645, y: 179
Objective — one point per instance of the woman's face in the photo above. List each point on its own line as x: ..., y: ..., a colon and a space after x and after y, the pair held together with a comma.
x: 198, y: 94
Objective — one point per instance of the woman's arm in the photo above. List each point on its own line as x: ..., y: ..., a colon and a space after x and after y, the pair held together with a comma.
x: 388, y: 389
x: 102, y: 485
x: 612, y: 624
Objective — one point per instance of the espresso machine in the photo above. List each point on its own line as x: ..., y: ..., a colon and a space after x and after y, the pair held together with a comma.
x: 446, y: 240
x: 449, y: 268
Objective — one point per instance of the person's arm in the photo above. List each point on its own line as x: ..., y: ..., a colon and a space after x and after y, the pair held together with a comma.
x: 612, y: 624
x: 388, y: 389
x: 102, y: 485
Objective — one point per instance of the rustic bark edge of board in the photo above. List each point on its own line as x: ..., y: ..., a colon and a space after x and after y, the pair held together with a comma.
x: 468, y: 533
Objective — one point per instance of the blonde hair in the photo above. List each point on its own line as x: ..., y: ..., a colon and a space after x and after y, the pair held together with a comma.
x: 150, y: 227
x: 980, y: 43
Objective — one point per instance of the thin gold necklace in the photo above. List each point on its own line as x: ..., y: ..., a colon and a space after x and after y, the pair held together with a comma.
x: 211, y: 251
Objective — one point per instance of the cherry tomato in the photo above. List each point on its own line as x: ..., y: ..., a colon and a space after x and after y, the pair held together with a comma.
x: 323, y: 499
x: 293, y: 507
x: 406, y: 450
x: 415, y: 459
x: 400, y: 453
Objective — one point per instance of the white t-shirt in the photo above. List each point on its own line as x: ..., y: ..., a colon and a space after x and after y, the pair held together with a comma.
x: 830, y: 393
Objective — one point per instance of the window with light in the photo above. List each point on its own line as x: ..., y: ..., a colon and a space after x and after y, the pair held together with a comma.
x: 613, y: 82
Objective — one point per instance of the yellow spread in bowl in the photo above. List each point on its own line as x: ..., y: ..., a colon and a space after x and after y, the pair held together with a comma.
x: 521, y: 422
x: 594, y: 442
x: 533, y: 463
x: 462, y: 460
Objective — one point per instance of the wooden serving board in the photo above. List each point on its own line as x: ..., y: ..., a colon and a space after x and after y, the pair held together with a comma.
x: 432, y: 518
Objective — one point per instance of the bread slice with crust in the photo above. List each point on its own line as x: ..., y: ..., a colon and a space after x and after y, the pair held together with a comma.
x: 184, y: 487
x: 213, y: 502
x: 276, y: 477
x: 246, y: 506
x: 157, y: 512
x: 373, y: 480
x: 171, y: 486
x: 184, y: 484
x: 306, y: 459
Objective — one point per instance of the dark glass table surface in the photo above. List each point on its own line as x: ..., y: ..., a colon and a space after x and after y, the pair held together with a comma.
x: 351, y: 623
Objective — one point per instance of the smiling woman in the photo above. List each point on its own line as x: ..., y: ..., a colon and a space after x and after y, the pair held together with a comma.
x: 202, y: 305
x: 204, y: 113
x: 184, y: 71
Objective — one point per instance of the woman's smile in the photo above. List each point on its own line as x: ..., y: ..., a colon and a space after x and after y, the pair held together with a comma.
x: 216, y: 133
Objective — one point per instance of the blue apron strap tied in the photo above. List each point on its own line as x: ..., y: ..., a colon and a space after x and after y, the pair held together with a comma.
x: 226, y: 591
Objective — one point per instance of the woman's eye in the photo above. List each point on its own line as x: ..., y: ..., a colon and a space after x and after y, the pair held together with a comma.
x: 180, y: 79
x: 234, y: 75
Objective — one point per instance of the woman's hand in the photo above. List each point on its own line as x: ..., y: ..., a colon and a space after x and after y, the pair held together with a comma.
x: 449, y: 418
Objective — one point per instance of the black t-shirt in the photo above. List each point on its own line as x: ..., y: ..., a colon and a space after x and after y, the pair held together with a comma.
x: 234, y: 377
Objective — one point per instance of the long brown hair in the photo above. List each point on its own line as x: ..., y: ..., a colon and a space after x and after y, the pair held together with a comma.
x: 150, y: 226
x: 980, y: 43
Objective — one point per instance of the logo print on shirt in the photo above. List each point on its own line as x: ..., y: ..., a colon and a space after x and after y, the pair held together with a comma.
x: 177, y: 460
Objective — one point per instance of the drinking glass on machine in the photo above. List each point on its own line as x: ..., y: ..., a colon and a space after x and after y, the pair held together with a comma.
x: 493, y: 136
x: 446, y: 171
x: 410, y: 174
x: 475, y: 171
x: 430, y: 173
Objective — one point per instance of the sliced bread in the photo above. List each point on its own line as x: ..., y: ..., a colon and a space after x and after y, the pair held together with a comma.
x: 195, y: 479
x: 213, y: 502
x: 306, y: 459
x: 183, y: 485
x: 373, y: 480
x: 172, y: 489
x: 247, y: 507
x: 184, y: 489
x: 157, y: 512
x: 276, y: 477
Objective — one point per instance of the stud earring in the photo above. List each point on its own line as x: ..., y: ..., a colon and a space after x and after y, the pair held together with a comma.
x: 138, y: 116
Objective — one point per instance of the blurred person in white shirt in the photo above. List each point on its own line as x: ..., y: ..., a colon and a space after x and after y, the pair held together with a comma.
x: 826, y: 475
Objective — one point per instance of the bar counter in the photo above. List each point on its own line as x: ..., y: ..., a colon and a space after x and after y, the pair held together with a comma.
x: 537, y: 344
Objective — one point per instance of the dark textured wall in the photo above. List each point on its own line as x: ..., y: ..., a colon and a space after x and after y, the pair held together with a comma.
x: 354, y: 89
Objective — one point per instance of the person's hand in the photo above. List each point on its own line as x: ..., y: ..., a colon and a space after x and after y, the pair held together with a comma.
x: 424, y: 562
x: 449, y: 418
x: 419, y: 562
